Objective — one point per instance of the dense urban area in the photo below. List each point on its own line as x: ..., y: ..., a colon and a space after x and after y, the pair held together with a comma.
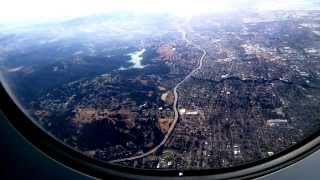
x: 208, y: 91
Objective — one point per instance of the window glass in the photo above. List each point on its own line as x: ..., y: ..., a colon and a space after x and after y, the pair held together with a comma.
x: 166, y: 84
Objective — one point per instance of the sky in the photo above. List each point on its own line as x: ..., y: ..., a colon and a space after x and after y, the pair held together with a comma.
x: 42, y: 10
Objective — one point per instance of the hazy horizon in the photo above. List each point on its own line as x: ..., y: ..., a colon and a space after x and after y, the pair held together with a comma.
x: 15, y: 12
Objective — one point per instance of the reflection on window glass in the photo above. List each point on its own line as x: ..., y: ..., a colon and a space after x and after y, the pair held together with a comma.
x: 167, y: 84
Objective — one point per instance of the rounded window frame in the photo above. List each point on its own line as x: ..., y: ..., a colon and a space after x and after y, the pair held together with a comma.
x: 47, y: 144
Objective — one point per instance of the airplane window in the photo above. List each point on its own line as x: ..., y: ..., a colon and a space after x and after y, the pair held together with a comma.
x: 166, y: 85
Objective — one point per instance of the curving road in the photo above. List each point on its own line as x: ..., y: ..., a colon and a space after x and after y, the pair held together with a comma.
x: 175, y: 103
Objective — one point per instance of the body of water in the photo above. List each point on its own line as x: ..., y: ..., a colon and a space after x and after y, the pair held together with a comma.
x: 136, y: 59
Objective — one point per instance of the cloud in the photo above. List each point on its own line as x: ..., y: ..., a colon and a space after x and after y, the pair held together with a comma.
x: 29, y: 10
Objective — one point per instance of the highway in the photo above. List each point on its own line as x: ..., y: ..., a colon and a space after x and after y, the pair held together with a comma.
x: 175, y: 103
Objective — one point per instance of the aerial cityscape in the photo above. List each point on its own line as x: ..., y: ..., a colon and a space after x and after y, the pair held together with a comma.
x: 207, y: 91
